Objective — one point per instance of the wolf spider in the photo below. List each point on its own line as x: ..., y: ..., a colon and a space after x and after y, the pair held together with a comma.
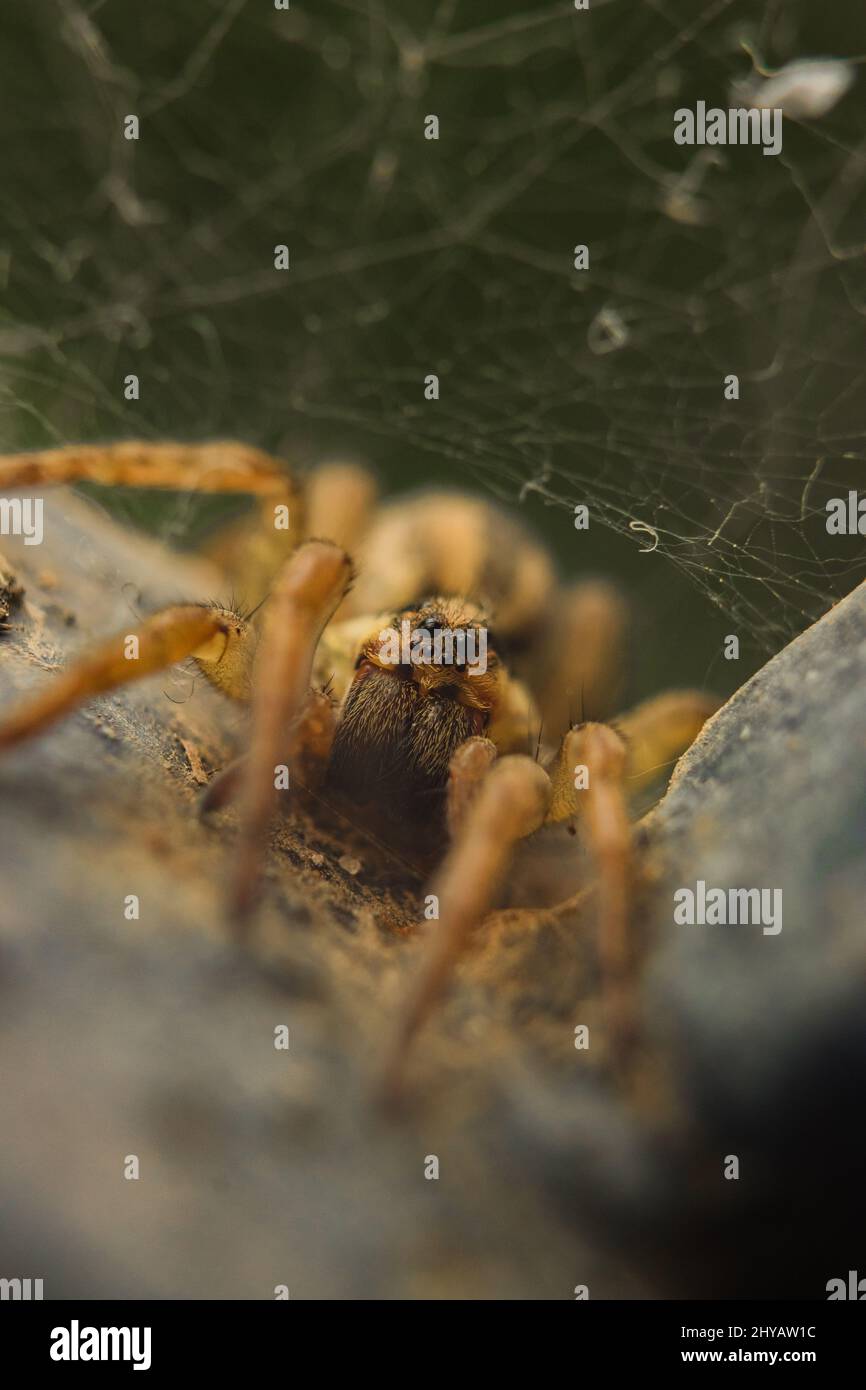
x: 435, y: 745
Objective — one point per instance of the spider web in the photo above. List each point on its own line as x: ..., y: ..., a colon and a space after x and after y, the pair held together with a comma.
x: 454, y: 257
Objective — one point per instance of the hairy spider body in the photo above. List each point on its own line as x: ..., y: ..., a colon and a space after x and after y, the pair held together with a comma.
x: 408, y: 709
x: 394, y: 741
x: 408, y: 706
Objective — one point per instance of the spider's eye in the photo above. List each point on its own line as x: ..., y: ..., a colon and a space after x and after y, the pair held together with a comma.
x: 434, y: 621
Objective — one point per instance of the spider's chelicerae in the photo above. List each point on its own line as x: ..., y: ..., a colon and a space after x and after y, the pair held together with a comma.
x: 405, y: 658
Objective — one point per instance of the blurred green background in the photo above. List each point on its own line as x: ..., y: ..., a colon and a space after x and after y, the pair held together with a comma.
x: 261, y: 126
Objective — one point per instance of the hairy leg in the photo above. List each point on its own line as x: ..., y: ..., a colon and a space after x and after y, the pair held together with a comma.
x: 583, y: 654
x: 510, y: 804
x: 302, y: 602
x: 219, y: 466
x: 335, y: 504
x: 249, y: 551
x: 453, y: 543
x: 218, y: 640
x: 469, y: 766
x: 338, y: 502
x: 588, y: 781
x: 606, y: 826
x: 593, y: 777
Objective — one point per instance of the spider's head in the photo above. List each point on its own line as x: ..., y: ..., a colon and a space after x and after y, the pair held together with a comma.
x: 443, y: 647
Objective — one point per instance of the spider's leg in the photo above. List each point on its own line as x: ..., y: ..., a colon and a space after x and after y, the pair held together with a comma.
x: 593, y: 775
x: 305, y: 596
x: 609, y: 834
x: 654, y: 733
x: 249, y: 551
x: 657, y: 731
x: 335, y: 505
x: 219, y: 466
x: 469, y: 766
x: 581, y: 659
x: 338, y: 502
x: 216, y: 639
x: 451, y: 543
x: 510, y: 803
x: 588, y: 778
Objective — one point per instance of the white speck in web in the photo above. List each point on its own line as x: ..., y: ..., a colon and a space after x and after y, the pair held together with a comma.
x: 809, y: 87
x: 606, y: 333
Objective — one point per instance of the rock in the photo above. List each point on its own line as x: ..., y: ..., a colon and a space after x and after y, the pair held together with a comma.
x: 756, y: 1042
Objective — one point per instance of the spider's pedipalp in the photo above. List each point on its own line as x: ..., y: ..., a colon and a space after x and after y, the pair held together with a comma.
x: 304, y: 598
x: 160, y: 641
x: 510, y: 804
x: 564, y: 770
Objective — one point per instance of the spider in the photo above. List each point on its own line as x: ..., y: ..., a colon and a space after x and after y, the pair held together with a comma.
x: 419, y: 660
